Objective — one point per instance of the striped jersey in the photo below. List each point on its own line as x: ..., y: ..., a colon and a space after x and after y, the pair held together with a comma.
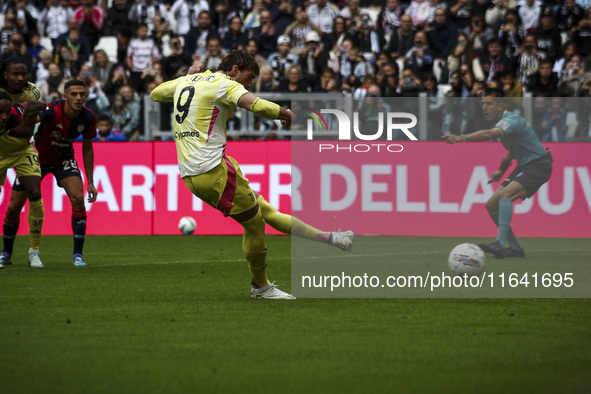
x: 12, y: 145
x: 203, y: 103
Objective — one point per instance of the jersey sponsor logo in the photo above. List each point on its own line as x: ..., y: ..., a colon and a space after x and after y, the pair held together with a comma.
x: 503, y: 125
x: 178, y: 136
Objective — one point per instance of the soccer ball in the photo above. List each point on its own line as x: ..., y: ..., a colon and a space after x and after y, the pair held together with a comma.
x: 466, y: 260
x: 187, y: 225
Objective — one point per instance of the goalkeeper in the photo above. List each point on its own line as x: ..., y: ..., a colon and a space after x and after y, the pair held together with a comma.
x: 203, y: 102
x: 534, y: 167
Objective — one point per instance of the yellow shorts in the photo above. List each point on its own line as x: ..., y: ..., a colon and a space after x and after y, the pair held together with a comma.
x: 224, y: 188
x: 25, y: 164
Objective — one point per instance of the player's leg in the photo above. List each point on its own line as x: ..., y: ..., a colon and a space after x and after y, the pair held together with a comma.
x: 18, y: 198
x: 75, y: 190
x: 291, y: 225
x: 10, y: 227
x: 32, y: 185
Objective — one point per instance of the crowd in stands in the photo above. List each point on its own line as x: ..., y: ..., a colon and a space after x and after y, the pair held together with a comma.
x: 383, y: 48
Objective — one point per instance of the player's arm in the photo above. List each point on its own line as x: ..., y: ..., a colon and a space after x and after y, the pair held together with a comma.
x: 481, y: 135
x: 165, y: 91
x: 27, y: 117
x: 88, y: 157
x: 505, y: 163
x: 265, y: 108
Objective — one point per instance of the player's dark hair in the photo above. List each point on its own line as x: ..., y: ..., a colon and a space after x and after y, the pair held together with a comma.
x: 5, y: 96
x: 103, y: 118
x: 9, y: 61
x: 241, y: 59
x: 493, y: 92
x: 74, y: 82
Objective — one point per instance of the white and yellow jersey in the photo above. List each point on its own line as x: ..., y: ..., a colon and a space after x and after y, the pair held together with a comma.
x: 10, y: 145
x: 203, y: 103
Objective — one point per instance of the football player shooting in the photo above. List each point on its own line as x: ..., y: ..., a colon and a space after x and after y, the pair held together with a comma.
x: 534, y: 167
x: 16, y: 122
x: 14, y: 80
x: 60, y: 125
x: 203, y: 104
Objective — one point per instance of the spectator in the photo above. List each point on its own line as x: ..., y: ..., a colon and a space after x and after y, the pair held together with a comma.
x: 328, y: 82
x: 234, y: 37
x: 144, y: 11
x: 282, y: 59
x: 26, y: 18
x: 221, y: 14
x: 196, y: 38
x: 42, y: 67
x: 435, y: 105
x: 513, y: 90
x: 389, y: 19
x: 409, y: 85
x: 293, y: 83
x: 367, y: 39
x: 253, y: 18
x: 96, y: 99
x: 554, y: 122
x: 105, y: 132
x: 569, y: 16
x: 322, y: 13
x: 572, y: 78
x: 141, y: 54
x: 161, y: 35
x: 80, y: 49
x: 299, y: 28
x: 123, y: 39
x: 62, y: 38
x: 547, y: 37
x: 214, y: 54
x: 387, y: 79
x: 68, y: 65
x: 117, y: 79
x: 463, y: 53
x: 420, y: 57
x: 91, y: 19
x: 353, y: 69
x: 528, y: 60
x: 511, y: 34
x: 266, y: 34
x: 543, y: 82
x: 186, y: 14
x: 130, y: 109
x: 266, y: 82
x: 178, y: 62
x: 480, y: 34
x: 252, y: 47
x: 492, y: 61
x: 529, y: 13
x: 101, y: 66
x: 462, y: 11
x: 117, y: 17
x: 352, y: 12
x: 283, y: 14
x: 495, y: 15
x: 582, y: 35
x: 441, y: 34
x: 312, y: 60
x: 55, y: 83
x: 54, y: 19
x: 402, y: 39
x: 419, y: 12
x: 7, y: 30
x: 35, y: 48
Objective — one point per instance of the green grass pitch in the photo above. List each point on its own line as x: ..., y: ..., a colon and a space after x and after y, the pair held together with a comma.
x: 172, y: 314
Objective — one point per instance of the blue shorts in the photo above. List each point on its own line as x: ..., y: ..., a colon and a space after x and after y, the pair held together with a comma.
x: 67, y: 168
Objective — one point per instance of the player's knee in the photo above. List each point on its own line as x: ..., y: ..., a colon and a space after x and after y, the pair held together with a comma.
x: 77, y: 201
x: 492, y: 205
x: 34, y: 195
